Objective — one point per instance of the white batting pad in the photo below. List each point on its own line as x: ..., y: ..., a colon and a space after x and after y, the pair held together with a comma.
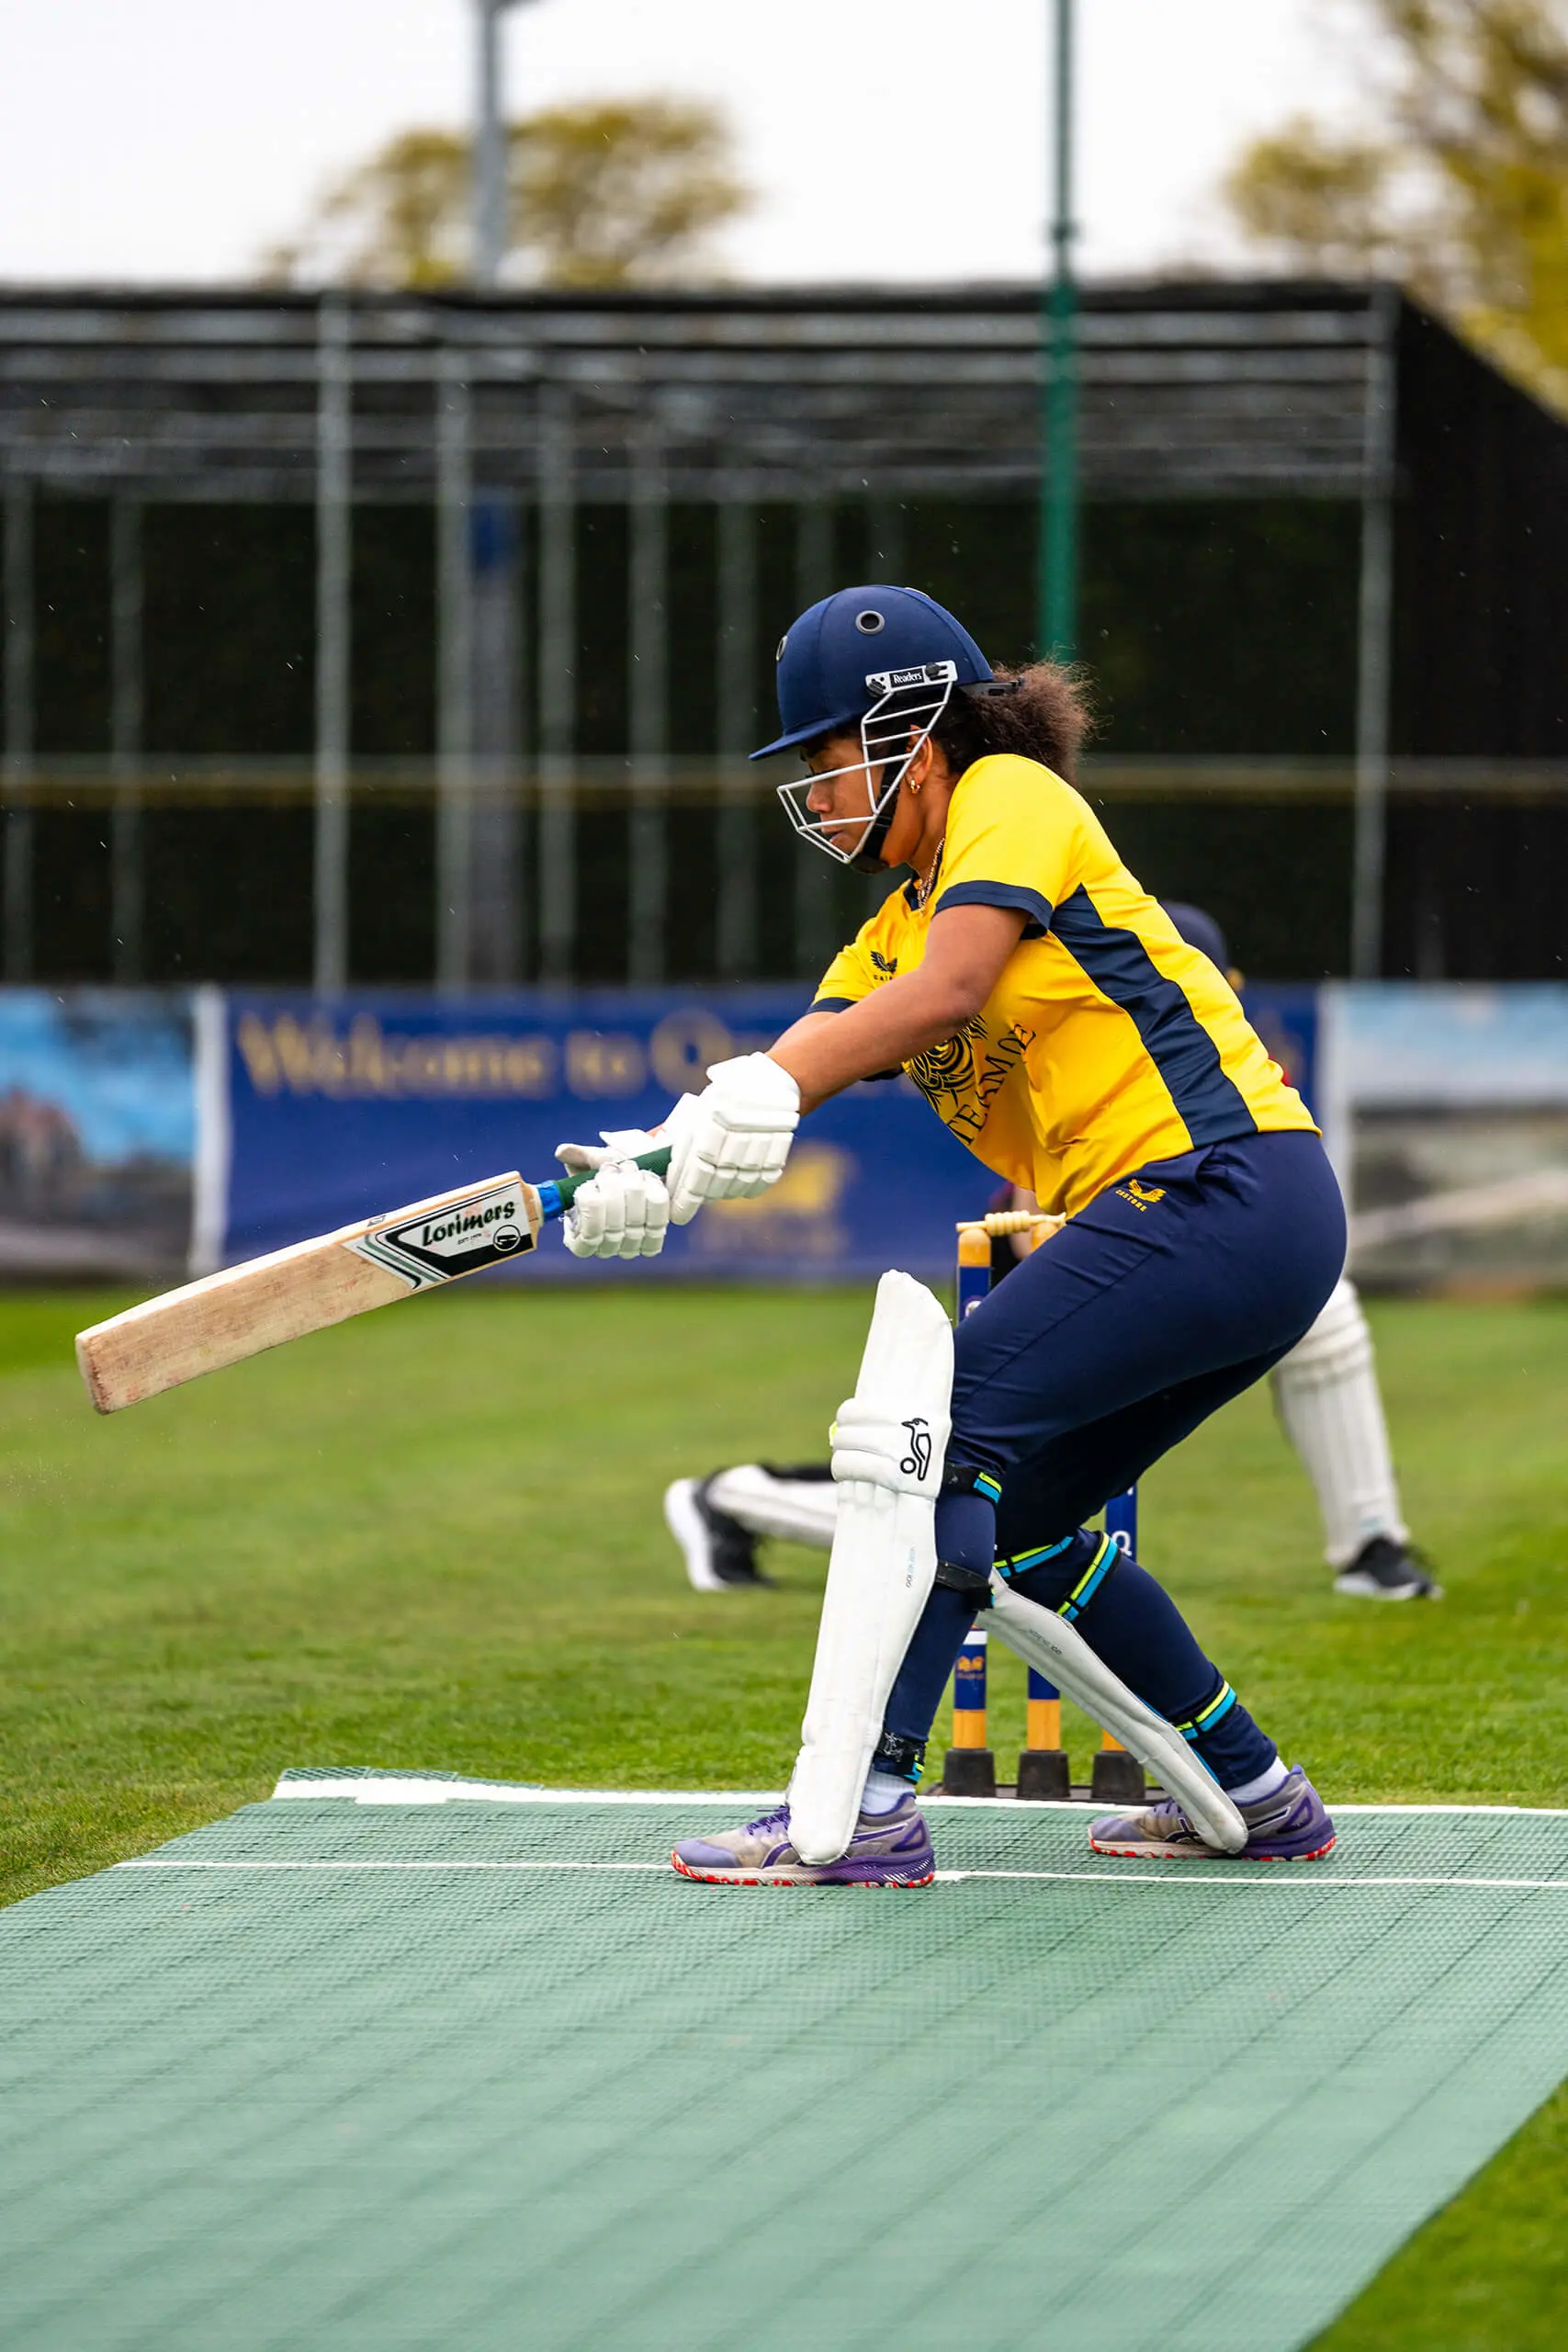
x: 1327, y: 1394
x: 804, y: 1510
x: 889, y: 1445
x: 1054, y: 1648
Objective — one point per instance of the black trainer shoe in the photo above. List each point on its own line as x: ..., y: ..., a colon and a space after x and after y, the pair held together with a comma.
x: 720, y: 1555
x: 1384, y: 1570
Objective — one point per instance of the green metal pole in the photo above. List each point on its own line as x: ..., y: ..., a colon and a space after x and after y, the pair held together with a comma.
x: 1056, y: 632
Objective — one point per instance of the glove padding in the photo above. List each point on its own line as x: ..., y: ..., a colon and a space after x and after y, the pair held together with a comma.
x: 623, y: 1212
x: 730, y: 1142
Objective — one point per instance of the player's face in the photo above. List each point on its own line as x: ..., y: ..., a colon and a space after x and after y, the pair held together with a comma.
x: 850, y: 797
x: 847, y: 798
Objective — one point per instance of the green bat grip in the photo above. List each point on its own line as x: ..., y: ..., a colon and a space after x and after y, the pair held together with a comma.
x: 565, y: 1189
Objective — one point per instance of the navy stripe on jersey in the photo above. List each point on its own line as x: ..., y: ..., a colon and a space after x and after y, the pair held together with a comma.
x: 832, y: 1005
x: 1174, y: 1038
x: 1002, y: 894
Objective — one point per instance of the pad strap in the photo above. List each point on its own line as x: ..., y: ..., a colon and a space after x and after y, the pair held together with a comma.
x: 1208, y: 1717
x: 1104, y: 1560
x: 973, y: 1583
x: 1021, y: 1562
x: 902, y: 1758
x: 963, y: 1478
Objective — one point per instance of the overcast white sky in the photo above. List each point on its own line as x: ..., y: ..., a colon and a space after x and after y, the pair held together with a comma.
x: 166, y: 140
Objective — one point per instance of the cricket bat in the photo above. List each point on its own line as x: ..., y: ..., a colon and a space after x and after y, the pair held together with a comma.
x: 239, y: 1312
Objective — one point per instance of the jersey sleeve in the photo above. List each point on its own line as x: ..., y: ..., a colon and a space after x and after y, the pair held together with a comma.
x: 1013, y: 841
x: 847, y: 978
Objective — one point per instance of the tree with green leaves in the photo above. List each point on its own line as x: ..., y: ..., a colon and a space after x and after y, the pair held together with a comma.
x: 1458, y: 185
x: 611, y: 192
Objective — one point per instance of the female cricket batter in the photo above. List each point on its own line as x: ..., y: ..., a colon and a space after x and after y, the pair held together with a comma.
x: 1059, y: 1025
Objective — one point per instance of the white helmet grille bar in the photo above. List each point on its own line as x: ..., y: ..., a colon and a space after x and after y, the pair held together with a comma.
x: 908, y: 703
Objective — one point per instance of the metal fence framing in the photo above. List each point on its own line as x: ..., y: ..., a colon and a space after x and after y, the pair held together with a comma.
x: 499, y: 927
x: 735, y: 650
x: 455, y: 677
x: 1374, y: 663
x: 557, y: 831
x: 508, y: 416
x: 127, y: 881
x: 648, y: 698
x: 814, y: 873
x: 335, y: 463
x: 17, y: 890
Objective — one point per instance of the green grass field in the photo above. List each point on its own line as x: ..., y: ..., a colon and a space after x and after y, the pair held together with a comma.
x: 434, y: 1539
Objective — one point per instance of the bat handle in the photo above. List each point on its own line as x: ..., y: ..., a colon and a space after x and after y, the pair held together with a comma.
x: 556, y: 1198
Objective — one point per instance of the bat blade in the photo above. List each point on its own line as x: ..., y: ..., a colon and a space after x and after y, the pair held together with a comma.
x: 243, y: 1310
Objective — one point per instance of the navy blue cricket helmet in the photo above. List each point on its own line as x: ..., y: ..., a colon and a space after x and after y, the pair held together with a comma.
x: 1199, y: 930
x: 826, y: 656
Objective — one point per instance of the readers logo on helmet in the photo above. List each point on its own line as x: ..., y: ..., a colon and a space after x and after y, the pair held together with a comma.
x: 459, y: 1237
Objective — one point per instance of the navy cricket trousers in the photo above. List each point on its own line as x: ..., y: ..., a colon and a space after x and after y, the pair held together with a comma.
x: 1173, y: 1291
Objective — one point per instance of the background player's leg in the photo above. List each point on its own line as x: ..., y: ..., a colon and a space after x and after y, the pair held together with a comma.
x: 1326, y: 1392
x: 717, y: 1521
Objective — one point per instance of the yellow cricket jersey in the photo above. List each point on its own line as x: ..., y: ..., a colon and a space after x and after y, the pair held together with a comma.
x: 1107, y: 1042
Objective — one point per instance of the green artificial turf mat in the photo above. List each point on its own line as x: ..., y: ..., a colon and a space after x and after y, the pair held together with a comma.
x: 435, y: 2068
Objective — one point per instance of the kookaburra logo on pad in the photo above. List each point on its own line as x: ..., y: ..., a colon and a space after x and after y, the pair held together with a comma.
x: 459, y: 1237
x: 918, y: 1461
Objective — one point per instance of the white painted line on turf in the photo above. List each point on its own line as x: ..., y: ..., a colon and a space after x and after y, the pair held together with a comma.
x: 415, y: 1788
x: 1188, y: 1874
x: 1197, y: 1874
x: 1081, y: 1805
x: 180, y: 1862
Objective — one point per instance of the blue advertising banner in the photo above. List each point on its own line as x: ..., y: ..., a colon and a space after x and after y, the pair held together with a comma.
x: 342, y: 1111
x: 1287, y: 1021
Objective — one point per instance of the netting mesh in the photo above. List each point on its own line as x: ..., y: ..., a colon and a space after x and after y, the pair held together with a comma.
x: 391, y: 2076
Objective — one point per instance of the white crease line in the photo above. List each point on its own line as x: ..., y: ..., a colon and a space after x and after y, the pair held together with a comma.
x: 1187, y: 1873
x: 411, y: 1789
x: 179, y: 1863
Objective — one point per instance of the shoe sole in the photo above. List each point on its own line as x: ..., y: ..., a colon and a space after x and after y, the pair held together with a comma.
x: 1204, y: 1854
x: 683, y: 1519
x: 1355, y: 1588
x: 788, y: 1876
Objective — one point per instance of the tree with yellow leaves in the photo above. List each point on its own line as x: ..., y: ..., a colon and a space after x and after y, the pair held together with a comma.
x: 612, y: 192
x: 1459, y: 187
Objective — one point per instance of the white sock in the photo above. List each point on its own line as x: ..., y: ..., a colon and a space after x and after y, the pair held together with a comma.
x: 882, y: 1791
x: 1250, y: 1792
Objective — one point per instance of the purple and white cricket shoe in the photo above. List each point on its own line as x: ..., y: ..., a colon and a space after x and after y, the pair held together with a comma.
x: 888, y: 1849
x: 1293, y: 1826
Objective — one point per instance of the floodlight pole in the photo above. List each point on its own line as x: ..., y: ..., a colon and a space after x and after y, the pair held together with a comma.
x: 490, y: 148
x: 1056, y: 632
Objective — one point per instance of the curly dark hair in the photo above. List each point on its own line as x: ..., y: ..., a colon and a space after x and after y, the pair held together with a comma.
x: 1040, y: 712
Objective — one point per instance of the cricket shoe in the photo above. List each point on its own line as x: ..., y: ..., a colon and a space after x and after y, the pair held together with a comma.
x: 1291, y: 1825
x: 1384, y: 1570
x: 888, y: 1849
x: 720, y: 1555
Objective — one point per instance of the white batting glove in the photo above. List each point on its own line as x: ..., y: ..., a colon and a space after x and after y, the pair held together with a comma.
x: 730, y: 1142
x: 623, y: 1212
x: 615, y: 1143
